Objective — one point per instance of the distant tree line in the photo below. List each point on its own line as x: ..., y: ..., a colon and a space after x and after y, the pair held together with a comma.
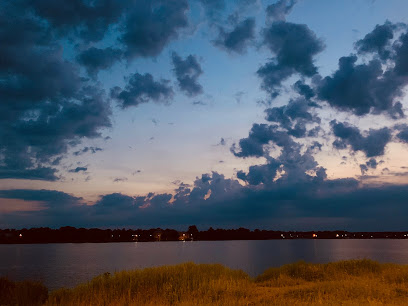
x: 81, y: 235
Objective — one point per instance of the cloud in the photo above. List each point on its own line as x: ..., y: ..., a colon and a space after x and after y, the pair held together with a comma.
x: 403, y: 132
x: 293, y: 117
x: 213, y: 9
x: 95, y: 59
x: 401, y: 57
x: 78, y: 169
x: 294, y: 46
x: 361, y: 88
x: 141, y: 89
x: 47, y: 196
x: 46, y: 106
x: 258, y: 174
x: 370, y: 164
x: 279, y: 10
x: 294, y: 205
x: 86, y: 20
x: 378, y: 41
x: 93, y: 150
x: 120, y: 179
x: 304, y: 90
x: 151, y: 25
x: 238, y: 39
x: 259, y: 136
x: 374, y: 86
x: 373, y: 144
x: 38, y: 173
x: 114, y: 203
x: 187, y: 72
x: 199, y: 103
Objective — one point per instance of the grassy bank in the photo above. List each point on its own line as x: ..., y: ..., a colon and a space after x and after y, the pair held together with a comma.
x: 340, y: 283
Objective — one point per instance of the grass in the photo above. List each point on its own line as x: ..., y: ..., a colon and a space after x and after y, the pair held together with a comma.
x: 353, y: 282
x: 22, y: 293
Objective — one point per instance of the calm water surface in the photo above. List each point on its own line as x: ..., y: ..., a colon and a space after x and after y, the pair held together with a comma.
x: 66, y: 265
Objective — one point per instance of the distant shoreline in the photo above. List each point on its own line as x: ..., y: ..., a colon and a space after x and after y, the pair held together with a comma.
x: 95, y: 235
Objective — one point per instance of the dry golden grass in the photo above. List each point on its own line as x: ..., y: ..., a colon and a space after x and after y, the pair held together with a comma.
x: 353, y: 282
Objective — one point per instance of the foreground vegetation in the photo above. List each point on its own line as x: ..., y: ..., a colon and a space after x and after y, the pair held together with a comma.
x: 341, y: 283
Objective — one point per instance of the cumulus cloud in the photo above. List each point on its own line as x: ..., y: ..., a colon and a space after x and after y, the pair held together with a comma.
x: 259, y: 136
x: 294, y: 47
x: 95, y: 59
x: 79, y: 18
x: 46, y: 107
x: 278, y: 11
x: 378, y: 41
x: 238, y: 38
x: 187, y: 72
x: 151, y: 25
x: 293, y: 117
x: 361, y: 88
x: 370, y: 164
x: 213, y: 9
x: 374, y: 86
x: 403, y: 132
x: 373, y: 143
x: 304, y: 90
x: 141, y: 88
x: 299, y: 205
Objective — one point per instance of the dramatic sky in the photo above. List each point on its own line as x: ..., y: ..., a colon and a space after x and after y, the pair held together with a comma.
x: 288, y: 114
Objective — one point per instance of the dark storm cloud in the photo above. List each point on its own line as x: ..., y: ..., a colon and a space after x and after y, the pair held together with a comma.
x: 278, y: 11
x: 294, y: 46
x: 95, y: 59
x: 141, y: 89
x: 150, y: 26
x: 372, y: 144
x: 237, y: 39
x: 187, y: 72
x: 378, y: 41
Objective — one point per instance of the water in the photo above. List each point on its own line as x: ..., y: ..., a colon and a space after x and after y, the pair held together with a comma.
x: 66, y: 265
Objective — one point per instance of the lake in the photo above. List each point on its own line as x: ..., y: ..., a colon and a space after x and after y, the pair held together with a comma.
x: 68, y: 264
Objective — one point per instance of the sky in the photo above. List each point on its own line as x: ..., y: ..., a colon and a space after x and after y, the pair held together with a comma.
x: 287, y: 115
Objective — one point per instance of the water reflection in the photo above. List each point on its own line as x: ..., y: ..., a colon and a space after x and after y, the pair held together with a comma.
x: 60, y: 265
